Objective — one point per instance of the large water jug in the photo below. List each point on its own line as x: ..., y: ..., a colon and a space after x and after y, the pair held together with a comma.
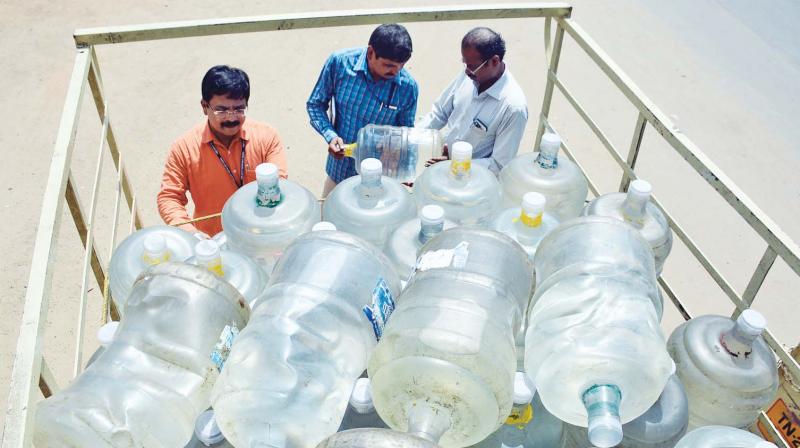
x: 401, y: 150
x: 528, y: 223
x: 369, y: 205
x: 264, y: 216
x: 142, y: 249
x: 469, y: 195
x: 660, y: 427
x: 635, y: 208
x: 290, y: 374
x: 361, y: 411
x: 404, y: 243
x: 149, y: 385
x: 594, y: 346
x: 722, y: 437
x: 375, y: 438
x: 729, y: 372
x: 444, y: 368
x: 559, y: 179
x: 529, y: 425
x: 244, y: 274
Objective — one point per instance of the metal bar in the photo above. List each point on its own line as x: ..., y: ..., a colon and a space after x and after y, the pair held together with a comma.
x: 547, y: 100
x: 674, y: 298
x: 772, y: 430
x: 96, y: 85
x: 47, y: 381
x: 323, y: 19
x: 790, y: 363
x: 87, y: 254
x: 27, y: 362
x: 76, y: 210
x: 133, y: 221
x: 633, y: 151
x: 107, y: 308
x: 708, y: 170
x: 757, y: 279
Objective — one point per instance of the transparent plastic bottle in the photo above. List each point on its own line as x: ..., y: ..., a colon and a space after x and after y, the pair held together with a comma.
x: 404, y: 243
x: 729, y: 372
x: 369, y: 205
x: 264, y: 216
x: 529, y: 425
x: 401, y: 150
x: 149, y: 385
x: 722, y: 437
x: 289, y: 376
x: 660, y: 427
x: 635, y: 208
x: 207, y: 433
x: 444, y: 368
x: 557, y: 178
x: 594, y: 345
x: 375, y: 438
x: 142, y: 249
x: 361, y: 411
x: 244, y: 274
x: 526, y: 224
x: 469, y: 195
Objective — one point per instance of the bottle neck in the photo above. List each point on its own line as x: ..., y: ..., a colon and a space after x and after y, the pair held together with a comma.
x: 737, y: 342
x: 429, y: 230
x: 371, y: 186
x: 460, y: 169
x: 269, y: 193
x: 428, y: 423
x: 602, y: 407
x: 213, y: 264
x: 547, y: 158
x: 154, y: 258
x: 529, y: 224
x: 634, y: 208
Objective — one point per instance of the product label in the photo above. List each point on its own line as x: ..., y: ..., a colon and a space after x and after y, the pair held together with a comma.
x: 787, y: 423
x: 350, y: 149
x: 459, y: 168
x: 223, y: 347
x: 530, y: 221
x: 215, y: 266
x: 151, y: 260
x: 380, y: 309
x: 520, y: 416
x: 269, y: 196
x: 547, y: 161
x: 442, y: 258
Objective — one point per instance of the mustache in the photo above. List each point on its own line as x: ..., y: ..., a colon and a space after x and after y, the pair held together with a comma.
x: 230, y: 124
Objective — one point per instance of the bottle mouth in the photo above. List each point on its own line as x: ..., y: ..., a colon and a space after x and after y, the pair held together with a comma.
x: 602, y: 407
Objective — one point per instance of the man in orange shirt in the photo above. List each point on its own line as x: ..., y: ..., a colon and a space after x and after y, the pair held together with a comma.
x: 218, y: 156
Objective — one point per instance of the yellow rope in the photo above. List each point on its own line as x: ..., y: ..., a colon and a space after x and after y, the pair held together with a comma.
x: 192, y: 221
x: 106, y: 301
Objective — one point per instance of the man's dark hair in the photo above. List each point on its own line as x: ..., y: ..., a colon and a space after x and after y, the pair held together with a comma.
x: 487, y: 42
x: 225, y: 80
x: 391, y: 41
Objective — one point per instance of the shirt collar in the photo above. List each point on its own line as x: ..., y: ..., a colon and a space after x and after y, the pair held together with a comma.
x: 208, y: 136
x: 496, y: 90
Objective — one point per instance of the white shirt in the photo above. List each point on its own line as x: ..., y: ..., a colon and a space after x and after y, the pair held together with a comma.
x: 492, y: 121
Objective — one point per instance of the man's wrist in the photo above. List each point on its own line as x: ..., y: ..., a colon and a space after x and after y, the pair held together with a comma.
x: 329, y: 135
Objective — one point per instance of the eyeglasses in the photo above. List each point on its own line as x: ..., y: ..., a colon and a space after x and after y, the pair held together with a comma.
x: 477, y: 69
x: 236, y: 112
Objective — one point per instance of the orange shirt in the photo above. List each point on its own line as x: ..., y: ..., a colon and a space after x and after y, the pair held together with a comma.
x: 192, y: 166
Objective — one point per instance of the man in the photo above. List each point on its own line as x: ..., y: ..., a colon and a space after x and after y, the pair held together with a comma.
x: 367, y: 85
x: 215, y: 158
x: 484, y: 105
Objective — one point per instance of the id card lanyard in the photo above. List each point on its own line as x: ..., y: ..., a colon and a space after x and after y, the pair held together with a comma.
x: 227, y: 168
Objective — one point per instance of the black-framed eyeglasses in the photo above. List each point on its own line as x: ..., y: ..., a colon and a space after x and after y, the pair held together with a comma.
x: 477, y: 69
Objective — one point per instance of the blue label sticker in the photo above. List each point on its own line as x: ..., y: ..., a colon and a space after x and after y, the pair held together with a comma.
x: 381, y: 308
x: 223, y: 347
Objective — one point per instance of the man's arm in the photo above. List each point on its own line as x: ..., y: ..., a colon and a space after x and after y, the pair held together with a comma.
x: 507, y: 140
x: 172, y: 198
x: 320, y: 99
x: 442, y: 108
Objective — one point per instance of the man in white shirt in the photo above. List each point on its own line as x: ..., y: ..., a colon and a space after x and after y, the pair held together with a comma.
x: 484, y: 105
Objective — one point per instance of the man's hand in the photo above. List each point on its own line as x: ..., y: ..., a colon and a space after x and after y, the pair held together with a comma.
x: 435, y: 160
x: 336, y: 148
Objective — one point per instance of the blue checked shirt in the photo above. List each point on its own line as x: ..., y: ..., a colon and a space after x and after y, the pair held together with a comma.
x: 359, y: 100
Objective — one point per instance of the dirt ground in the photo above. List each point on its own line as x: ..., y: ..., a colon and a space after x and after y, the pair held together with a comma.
x: 727, y: 82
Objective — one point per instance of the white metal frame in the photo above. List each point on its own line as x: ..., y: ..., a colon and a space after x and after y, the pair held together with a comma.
x: 30, y: 368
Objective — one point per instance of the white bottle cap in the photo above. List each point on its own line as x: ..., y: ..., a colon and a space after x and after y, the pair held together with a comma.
x: 361, y: 398
x: 751, y: 322
x: 605, y: 431
x: 640, y: 188
x: 524, y: 389
x: 431, y: 215
x: 106, y: 333
x: 461, y: 151
x: 155, y: 243
x: 323, y: 225
x: 206, y: 250
x: 550, y: 141
x: 533, y: 203
x: 371, y: 167
x: 206, y: 429
x: 266, y: 172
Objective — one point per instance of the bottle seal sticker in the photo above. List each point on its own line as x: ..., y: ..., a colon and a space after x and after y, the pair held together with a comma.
x: 269, y: 197
x: 380, y: 309
x: 223, y: 347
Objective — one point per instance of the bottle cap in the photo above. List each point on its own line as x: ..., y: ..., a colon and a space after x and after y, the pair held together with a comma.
x: 461, y: 151
x: 524, y: 389
x: 550, y: 141
x: 751, y: 322
x: 605, y: 431
x: 106, y: 333
x: 361, y: 398
x: 431, y: 215
x: 323, y: 225
x: 267, y: 172
x: 533, y: 203
x: 206, y: 250
x: 640, y: 188
x: 206, y: 429
x: 155, y: 243
x: 371, y: 167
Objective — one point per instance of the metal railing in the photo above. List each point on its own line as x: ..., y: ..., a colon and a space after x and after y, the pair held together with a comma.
x: 31, y: 371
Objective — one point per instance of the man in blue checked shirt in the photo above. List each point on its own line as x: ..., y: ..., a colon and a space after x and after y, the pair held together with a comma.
x: 368, y: 86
